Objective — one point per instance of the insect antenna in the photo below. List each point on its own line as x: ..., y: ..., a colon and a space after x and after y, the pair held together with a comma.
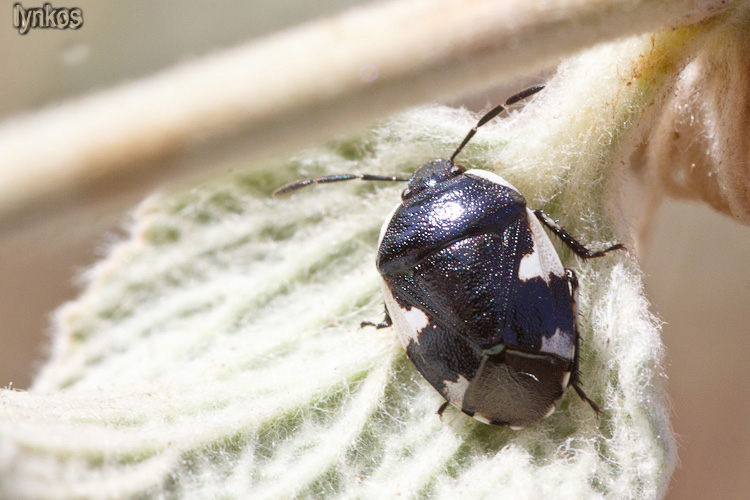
x: 293, y: 186
x: 494, y: 112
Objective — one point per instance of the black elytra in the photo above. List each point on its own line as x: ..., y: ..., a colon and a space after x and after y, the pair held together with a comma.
x: 476, y: 292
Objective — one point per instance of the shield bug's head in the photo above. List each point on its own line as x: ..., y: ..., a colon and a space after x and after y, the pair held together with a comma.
x: 430, y: 175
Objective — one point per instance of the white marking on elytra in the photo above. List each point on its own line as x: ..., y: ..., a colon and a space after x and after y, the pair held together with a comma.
x: 549, y: 412
x: 482, y: 418
x: 566, y: 379
x: 561, y: 344
x: 408, y: 322
x: 484, y: 174
x: 530, y: 267
x: 455, y: 391
x: 543, y: 261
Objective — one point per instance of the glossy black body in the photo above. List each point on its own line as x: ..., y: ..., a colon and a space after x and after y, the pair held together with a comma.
x: 475, y: 289
x: 452, y: 250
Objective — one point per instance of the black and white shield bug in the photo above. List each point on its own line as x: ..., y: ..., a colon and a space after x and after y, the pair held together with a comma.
x: 476, y: 291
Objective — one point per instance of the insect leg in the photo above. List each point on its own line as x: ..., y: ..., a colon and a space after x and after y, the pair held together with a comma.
x: 383, y: 324
x: 442, y: 409
x: 574, y: 245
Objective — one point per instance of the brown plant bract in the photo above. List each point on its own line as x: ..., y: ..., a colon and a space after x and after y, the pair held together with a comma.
x: 699, y: 147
